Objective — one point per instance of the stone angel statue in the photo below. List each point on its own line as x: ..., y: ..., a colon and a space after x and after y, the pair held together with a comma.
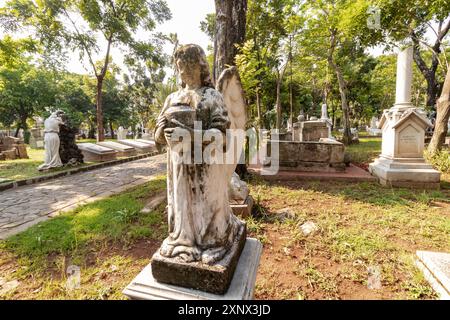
x: 202, y: 227
x: 52, y: 158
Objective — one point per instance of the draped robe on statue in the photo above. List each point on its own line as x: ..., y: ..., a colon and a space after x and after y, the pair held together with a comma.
x: 51, y: 143
x: 201, y: 224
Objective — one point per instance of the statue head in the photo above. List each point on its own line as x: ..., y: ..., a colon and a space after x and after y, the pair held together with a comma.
x: 57, y: 114
x: 191, y: 64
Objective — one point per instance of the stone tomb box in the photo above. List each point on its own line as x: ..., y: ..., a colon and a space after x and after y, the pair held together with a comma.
x: 122, y: 150
x: 310, y: 130
x: 96, y: 153
x: 141, y: 147
x: 326, y: 155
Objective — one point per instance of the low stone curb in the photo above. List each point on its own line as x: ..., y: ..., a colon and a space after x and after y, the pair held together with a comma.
x: 24, y: 182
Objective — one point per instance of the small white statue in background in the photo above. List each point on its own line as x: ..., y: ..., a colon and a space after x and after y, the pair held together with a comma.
x: 122, y: 133
x: 51, y: 141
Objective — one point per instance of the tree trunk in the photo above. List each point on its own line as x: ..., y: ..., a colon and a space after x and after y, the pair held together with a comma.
x: 347, y: 136
x: 111, y: 129
x: 258, y: 108
x: 428, y: 73
x: 230, y: 31
x: 278, y: 101
x: 100, y: 130
x: 91, y: 132
x: 443, y: 114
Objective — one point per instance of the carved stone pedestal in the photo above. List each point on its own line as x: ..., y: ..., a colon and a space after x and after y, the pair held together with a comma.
x: 401, y: 163
x: 197, y: 275
x: 145, y: 287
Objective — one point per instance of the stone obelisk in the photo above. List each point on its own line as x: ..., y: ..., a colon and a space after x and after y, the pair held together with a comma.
x: 401, y: 163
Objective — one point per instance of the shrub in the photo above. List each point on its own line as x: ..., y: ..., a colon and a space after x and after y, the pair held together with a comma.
x: 440, y: 160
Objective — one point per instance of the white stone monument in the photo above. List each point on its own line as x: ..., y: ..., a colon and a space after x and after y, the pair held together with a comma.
x: 401, y: 162
x: 324, y: 118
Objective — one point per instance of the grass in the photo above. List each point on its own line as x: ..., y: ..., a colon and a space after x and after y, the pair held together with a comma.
x: 365, y: 151
x: 11, y: 170
x: 27, y: 168
x: 98, y: 237
x: 361, y: 225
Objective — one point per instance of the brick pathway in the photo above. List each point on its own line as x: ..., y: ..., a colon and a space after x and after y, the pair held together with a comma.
x: 23, y: 207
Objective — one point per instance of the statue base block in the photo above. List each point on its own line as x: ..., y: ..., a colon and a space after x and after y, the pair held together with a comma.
x: 145, y: 287
x: 196, y: 275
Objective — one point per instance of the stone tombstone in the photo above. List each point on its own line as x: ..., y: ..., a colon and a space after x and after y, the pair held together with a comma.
x: 313, y: 130
x: 401, y: 162
x: 374, y: 123
x: 324, y: 111
x: 205, y: 241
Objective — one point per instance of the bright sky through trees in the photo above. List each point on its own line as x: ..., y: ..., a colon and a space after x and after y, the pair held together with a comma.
x: 186, y: 18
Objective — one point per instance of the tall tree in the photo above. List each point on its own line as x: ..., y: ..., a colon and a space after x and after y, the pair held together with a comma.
x: 229, y: 33
x: 87, y: 25
x: 443, y: 114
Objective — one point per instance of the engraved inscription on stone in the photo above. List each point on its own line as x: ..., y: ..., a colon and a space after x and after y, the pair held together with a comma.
x: 408, y: 141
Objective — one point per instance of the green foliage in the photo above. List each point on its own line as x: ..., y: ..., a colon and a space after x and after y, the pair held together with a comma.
x: 440, y: 160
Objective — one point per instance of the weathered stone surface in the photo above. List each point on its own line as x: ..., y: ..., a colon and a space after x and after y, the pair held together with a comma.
x: 140, y: 147
x: 311, y: 131
x: 97, y: 153
x: 214, y: 278
x: 436, y: 269
x: 37, y: 138
x: 9, y: 154
x: 145, y: 287
x: 122, y: 150
x: 243, y: 209
x: 310, y: 156
x: 309, y: 228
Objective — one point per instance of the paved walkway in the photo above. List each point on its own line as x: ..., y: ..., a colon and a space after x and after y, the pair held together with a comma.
x: 23, y: 207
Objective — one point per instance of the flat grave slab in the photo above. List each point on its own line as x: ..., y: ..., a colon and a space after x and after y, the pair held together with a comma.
x: 150, y: 142
x: 436, y: 269
x: 140, y: 147
x: 122, y: 150
x: 96, y: 153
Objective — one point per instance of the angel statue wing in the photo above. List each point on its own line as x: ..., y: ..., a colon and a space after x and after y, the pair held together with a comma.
x: 229, y: 85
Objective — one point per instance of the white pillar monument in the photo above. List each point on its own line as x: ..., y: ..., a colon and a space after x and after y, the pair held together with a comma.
x: 401, y: 163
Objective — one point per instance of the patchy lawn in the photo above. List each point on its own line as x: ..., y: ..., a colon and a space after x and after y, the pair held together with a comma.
x: 111, y: 240
x: 361, y: 226
x: 27, y: 168
x: 365, y: 151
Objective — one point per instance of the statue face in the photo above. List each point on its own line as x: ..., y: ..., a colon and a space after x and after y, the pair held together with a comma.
x: 190, y: 72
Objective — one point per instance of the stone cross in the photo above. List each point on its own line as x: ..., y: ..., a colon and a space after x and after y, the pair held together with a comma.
x: 404, y: 78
